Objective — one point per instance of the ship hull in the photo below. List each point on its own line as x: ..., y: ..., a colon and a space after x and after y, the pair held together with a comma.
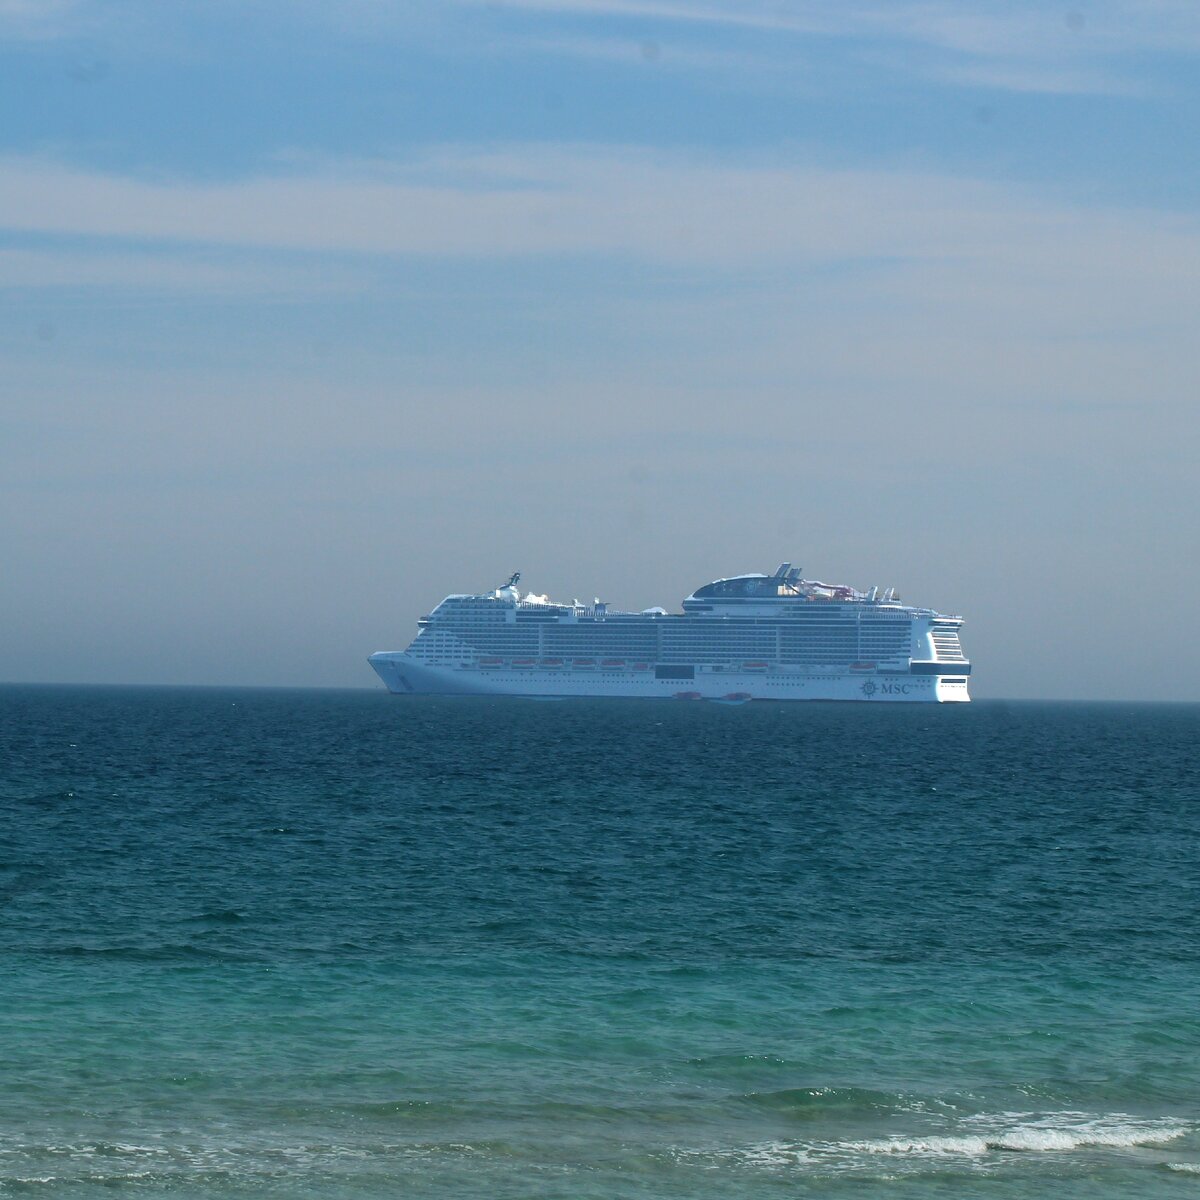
x: 403, y: 674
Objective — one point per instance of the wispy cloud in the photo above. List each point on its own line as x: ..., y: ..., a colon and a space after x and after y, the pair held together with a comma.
x: 1050, y: 79
x: 550, y: 199
x: 633, y: 51
x: 40, y: 19
x: 984, y: 27
x: 954, y: 278
x: 1009, y: 46
x: 1020, y: 45
x: 169, y: 271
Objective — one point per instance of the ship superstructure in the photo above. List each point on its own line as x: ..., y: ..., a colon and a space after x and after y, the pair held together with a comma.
x: 748, y: 637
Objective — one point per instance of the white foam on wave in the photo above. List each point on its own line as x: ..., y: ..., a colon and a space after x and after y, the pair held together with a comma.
x: 761, y: 1154
x: 1184, y: 1168
x: 105, y: 1149
x: 968, y: 1146
x: 1073, y: 1139
x: 774, y: 1154
x: 1026, y: 1132
x: 985, y: 1135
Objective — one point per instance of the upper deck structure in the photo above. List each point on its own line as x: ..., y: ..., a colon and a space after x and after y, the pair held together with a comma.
x: 745, y: 637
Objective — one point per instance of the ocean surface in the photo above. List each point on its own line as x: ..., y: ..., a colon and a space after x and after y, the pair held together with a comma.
x: 342, y: 944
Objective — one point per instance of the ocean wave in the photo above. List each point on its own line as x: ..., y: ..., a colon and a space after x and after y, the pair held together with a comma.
x: 165, y: 952
x: 761, y: 1154
x: 1023, y: 1138
x: 812, y: 1103
x: 215, y: 916
x: 129, y: 1159
x: 982, y: 1136
x: 1022, y: 1132
x: 968, y: 1146
x: 1184, y: 1168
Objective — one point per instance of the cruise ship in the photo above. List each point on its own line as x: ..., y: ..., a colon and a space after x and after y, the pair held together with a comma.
x: 748, y: 637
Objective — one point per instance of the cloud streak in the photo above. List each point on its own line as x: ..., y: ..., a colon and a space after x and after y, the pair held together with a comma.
x: 166, y: 271
x: 985, y: 27
x: 1011, y: 46
x: 561, y: 200
x: 38, y: 19
x: 1015, y: 45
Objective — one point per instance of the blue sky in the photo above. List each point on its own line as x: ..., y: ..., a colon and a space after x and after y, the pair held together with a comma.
x: 315, y: 313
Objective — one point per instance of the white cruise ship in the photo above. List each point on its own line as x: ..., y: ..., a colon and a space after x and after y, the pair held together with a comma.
x: 749, y: 637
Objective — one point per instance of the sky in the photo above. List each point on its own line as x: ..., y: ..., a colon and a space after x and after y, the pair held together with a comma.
x: 311, y: 314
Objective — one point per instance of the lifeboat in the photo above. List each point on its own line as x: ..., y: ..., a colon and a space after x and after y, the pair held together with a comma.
x: 524, y: 662
x: 641, y: 666
x: 862, y: 666
x: 491, y: 662
x: 756, y: 665
x: 583, y: 662
x: 613, y: 662
x: 734, y: 698
x: 552, y: 662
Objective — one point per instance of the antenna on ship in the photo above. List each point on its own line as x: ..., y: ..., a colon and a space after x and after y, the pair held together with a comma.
x: 514, y: 579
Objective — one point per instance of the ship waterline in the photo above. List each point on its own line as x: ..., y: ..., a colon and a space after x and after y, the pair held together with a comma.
x: 746, y: 637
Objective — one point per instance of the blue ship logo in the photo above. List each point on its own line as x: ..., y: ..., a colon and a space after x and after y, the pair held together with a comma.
x: 869, y: 689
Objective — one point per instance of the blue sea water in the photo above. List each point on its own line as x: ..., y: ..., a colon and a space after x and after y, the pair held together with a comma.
x: 265, y: 944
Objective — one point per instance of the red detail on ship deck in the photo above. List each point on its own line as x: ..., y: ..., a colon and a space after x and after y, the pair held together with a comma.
x: 862, y: 666
x: 613, y: 662
x: 584, y: 662
x: 491, y: 662
x: 757, y: 665
x: 641, y: 666
x: 552, y: 662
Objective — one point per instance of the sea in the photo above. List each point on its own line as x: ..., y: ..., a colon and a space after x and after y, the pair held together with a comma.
x: 260, y: 943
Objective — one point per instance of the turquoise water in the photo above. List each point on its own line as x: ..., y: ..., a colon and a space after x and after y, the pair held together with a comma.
x: 349, y: 945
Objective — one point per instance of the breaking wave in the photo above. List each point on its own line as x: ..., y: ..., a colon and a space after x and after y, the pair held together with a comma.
x: 1026, y: 1138
x: 982, y: 1136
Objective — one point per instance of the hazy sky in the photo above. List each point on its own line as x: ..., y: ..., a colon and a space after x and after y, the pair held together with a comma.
x: 313, y: 313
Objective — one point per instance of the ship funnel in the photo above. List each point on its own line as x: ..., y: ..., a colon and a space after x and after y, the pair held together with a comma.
x: 782, y: 570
